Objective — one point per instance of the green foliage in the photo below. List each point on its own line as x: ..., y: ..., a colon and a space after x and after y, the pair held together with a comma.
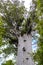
x: 10, y: 49
x: 38, y: 56
x: 8, y: 63
x: 2, y: 30
x: 40, y: 6
x: 13, y: 16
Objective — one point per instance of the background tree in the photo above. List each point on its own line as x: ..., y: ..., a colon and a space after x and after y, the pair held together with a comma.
x: 39, y: 52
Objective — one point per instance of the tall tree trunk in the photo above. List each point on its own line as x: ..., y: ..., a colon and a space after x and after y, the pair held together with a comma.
x: 25, y: 50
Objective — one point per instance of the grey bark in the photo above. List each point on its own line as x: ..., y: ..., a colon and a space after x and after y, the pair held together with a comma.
x: 24, y: 50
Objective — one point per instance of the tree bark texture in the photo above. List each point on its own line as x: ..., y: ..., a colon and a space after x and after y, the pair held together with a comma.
x: 24, y: 56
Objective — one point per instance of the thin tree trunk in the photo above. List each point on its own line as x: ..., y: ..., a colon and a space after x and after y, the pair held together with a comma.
x: 25, y: 50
